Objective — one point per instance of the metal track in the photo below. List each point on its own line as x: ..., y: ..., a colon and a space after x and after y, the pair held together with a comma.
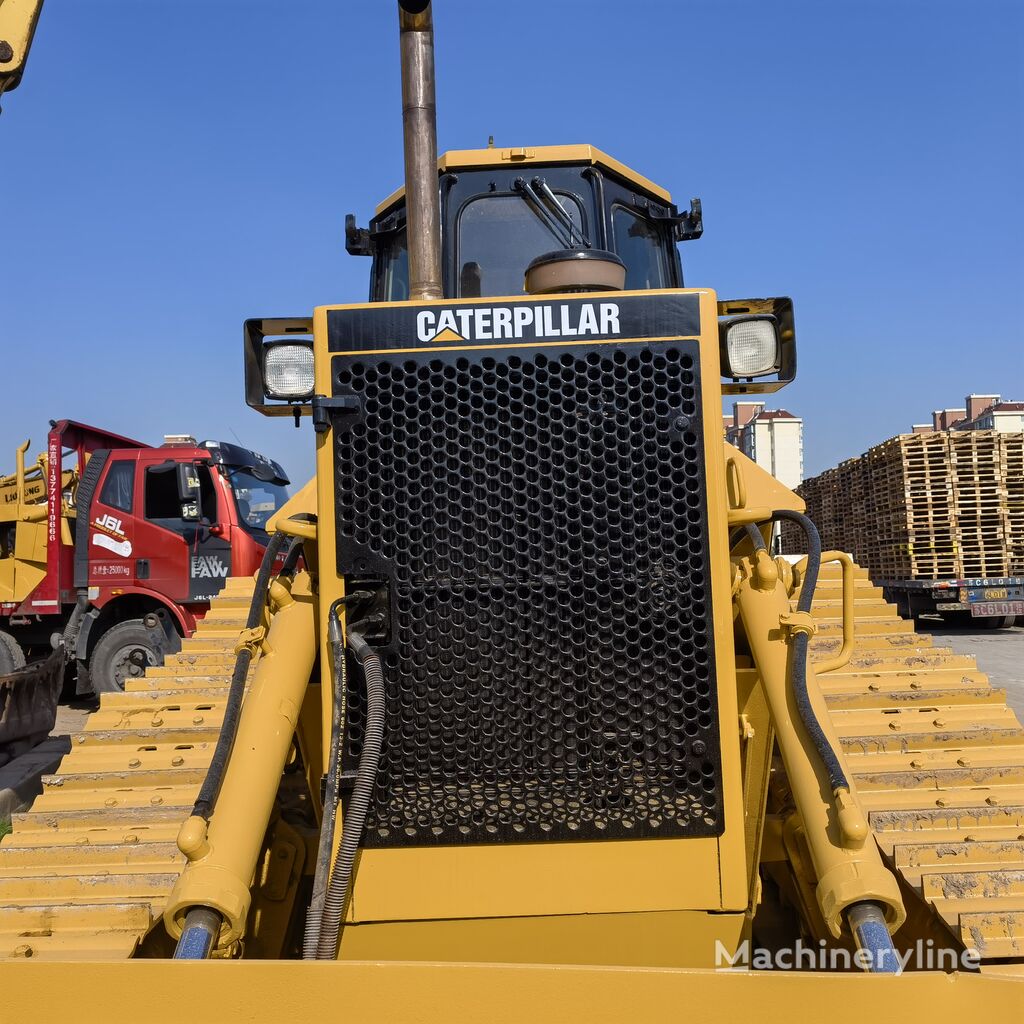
x: 85, y: 873
x: 938, y: 759
x: 937, y: 756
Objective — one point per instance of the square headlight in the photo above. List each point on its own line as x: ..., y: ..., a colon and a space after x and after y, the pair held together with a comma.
x: 288, y: 369
x: 751, y: 347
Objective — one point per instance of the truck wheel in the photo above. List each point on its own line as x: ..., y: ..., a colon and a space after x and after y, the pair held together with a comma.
x: 12, y: 657
x: 124, y: 652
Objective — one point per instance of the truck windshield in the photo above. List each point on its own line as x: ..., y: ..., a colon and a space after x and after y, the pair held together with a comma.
x: 257, y: 500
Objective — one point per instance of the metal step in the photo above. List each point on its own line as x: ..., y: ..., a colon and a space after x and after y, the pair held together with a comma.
x: 86, y: 870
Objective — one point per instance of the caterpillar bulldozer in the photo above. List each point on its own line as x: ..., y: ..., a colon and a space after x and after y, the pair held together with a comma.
x: 537, y: 728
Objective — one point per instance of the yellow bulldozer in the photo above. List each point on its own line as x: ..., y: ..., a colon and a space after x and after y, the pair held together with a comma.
x: 530, y: 725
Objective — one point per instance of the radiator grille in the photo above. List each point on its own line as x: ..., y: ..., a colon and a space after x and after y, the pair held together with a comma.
x: 540, y: 519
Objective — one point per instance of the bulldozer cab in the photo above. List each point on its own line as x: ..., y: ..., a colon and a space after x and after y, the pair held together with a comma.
x: 503, y: 208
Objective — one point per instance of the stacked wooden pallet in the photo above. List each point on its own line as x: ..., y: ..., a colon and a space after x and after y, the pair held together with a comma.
x: 933, y: 505
x: 1012, y: 470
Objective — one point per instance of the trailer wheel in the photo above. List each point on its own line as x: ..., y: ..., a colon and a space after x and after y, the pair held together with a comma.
x: 124, y: 652
x: 12, y: 657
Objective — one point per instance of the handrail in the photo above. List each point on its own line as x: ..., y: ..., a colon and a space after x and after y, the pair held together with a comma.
x: 734, y: 473
x: 849, y: 641
x: 294, y: 527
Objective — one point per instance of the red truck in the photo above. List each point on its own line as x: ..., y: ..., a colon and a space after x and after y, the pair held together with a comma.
x: 114, y: 548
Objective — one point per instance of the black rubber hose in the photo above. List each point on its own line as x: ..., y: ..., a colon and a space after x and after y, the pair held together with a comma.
x: 314, y: 916
x: 291, y: 558
x: 810, y: 580
x: 755, y: 537
x: 207, y: 799
x: 798, y: 669
x: 354, y: 820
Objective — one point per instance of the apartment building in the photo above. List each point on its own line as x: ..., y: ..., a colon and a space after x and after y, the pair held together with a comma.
x: 773, y: 438
x: 979, y: 412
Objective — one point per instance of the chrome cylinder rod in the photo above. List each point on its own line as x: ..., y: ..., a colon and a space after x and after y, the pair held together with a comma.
x: 202, y: 926
x: 870, y: 932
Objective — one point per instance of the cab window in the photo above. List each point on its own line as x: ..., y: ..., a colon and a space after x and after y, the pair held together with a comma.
x: 499, y: 235
x: 396, y: 268
x: 639, y: 245
x: 161, y: 496
x: 118, y: 486
x: 257, y: 500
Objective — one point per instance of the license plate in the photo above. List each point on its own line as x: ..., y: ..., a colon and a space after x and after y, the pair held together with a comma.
x: 951, y: 606
x: 985, y: 608
x: 996, y: 594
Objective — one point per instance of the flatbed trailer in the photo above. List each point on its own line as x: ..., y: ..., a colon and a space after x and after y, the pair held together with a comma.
x: 990, y: 602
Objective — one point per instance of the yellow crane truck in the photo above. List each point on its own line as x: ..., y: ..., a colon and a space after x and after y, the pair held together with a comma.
x: 18, y: 19
x: 538, y: 729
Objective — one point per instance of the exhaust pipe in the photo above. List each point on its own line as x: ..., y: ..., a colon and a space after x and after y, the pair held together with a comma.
x: 419, y: 129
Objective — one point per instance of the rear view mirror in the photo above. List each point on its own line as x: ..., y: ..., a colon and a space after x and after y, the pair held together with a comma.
x: 188, y: 491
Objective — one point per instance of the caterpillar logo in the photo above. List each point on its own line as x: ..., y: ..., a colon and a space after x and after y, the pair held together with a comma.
x: 505, y: 323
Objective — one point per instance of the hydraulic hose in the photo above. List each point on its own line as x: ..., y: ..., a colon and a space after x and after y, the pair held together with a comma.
x: 866, y: 919
x: 801, y: 642
x: 314, y: 916
x: 854, y: 891
x: 354, y: 819
x: 207, y: 799
x: 291, y: 558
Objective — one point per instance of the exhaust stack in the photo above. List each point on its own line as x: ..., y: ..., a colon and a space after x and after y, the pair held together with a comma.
x: 419, y: 128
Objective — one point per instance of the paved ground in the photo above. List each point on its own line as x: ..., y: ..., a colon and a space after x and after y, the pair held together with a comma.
x: 71, y: 717
x: 1000, y: 655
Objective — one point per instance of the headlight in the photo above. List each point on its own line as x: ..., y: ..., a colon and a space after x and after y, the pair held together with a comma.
x: 288, y: 370
x: 751, y: 347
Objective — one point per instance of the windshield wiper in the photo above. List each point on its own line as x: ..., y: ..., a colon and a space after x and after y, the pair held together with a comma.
x: 541, y: 186
x: 541, y: 199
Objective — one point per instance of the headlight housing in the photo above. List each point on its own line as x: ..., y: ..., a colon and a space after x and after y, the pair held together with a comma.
x: 288, y: 370
x: 278, y: 354
x: 750, y: 346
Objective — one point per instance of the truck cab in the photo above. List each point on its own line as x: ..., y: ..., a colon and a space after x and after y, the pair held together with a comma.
x: 120, y: 546
x: 147, y: 533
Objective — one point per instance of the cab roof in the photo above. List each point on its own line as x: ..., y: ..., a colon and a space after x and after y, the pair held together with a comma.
x: 494, y: 156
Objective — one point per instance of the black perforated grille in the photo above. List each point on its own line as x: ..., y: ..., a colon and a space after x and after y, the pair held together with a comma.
x: 540, y: 519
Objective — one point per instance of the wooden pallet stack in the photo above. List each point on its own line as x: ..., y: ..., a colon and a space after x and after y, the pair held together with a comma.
x: 933, y: 505
x: 1012, y: 469
x: 914, y: 533
x: 979, y: 492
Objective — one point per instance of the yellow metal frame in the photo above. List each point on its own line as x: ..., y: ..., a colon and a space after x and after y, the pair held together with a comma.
x: 23, y: 502
x: 222, y: 854
x: 17, y: 27
x: 438, y: 993
x: 467, y: 159
x: 607, y: 880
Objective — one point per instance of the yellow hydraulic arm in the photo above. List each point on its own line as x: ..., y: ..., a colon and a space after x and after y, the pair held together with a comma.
x: 17, y: 27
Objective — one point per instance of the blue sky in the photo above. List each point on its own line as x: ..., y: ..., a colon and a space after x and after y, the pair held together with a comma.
x: 168, y: 169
